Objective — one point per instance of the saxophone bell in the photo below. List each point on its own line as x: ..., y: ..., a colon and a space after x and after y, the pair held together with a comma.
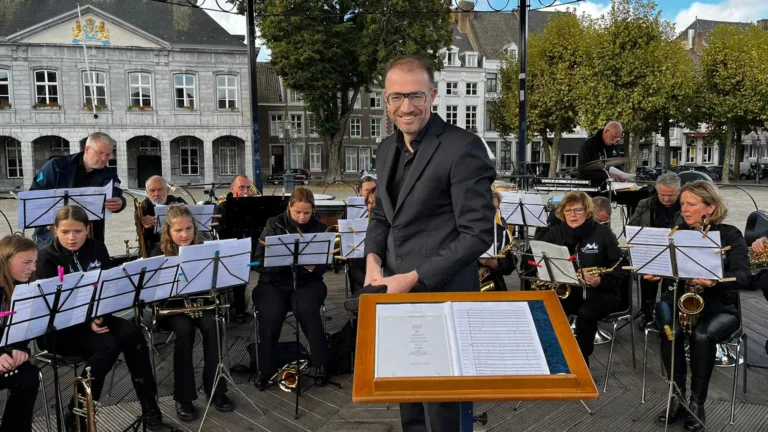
x: 690, y: 305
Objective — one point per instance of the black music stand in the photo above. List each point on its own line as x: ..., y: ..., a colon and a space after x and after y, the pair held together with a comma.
x: 214, y: 263
x: 297, y: 254
x: 59, y: 200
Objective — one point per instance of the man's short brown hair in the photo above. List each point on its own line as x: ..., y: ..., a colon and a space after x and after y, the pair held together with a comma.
x: 410, y: 63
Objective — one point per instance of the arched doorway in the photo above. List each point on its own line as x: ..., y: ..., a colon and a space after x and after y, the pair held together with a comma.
x: 11, y: 171
x: 228, y: 158
x: 47, y: 147
x: 187, y: 160
x: 144, y: 159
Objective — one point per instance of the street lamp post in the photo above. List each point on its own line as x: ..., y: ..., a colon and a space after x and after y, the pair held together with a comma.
x: 288, y: 177
x: 756, y: 142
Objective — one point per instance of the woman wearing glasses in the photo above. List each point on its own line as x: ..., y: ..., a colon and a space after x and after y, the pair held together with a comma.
x: 594, y: 245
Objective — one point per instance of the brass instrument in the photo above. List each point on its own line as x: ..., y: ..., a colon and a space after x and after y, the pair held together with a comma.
x: 690, y: 305
x: 598, y: 271
x: 288, y: 376
x: 85, y: 406
x: 139, y: 230
x: 758, y: 259
x: 193, y: 306
x: 562, y: 290
x: 484, y: 273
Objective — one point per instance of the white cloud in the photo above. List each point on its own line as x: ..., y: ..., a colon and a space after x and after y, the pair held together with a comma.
x: 237, y: 25
x: 593, y: 9
x: 729, y: 10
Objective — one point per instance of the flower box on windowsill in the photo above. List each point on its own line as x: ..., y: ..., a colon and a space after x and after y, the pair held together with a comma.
x: 52, y: 105
x: 189, y: 107
x: 140, y: 108
x: 473, y: 130
x: 5, y: 106
x: 89, y: 107
x: 234, y: 109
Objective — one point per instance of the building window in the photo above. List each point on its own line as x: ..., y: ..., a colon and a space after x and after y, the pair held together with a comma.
x: 275, y: 124
x: 113, y: 158
x: 148, y: 144
x: 5, y: 87
x: 315, y: 158
x: 568, y: 161
x: 58, y: 145
x: 489, y: 125
x: 13, y: 158
x: 471, y: 89
x: 184, y: 86
x: 350, y: 159
x: 355, y: 127
x: 94, y: 83
x: 227, y: 157
x: 311, y: 125
x: 295, y: 97
x: 435, y: 108
x: 375, y: 99
x: 297, y: 124
x: 646, y: 157
x: 375, y: 127
x: 706, y: 154
x: 691, y: 155
x: 491, y: 83
x: 471, y: 60
x: 471, y: 118
x: 452, y: 88
x: 364, y: 158
x: 297, y: 156
x: 450, y: 58
x: 452, y: 114
x: 226, y: 91
x: 189, y: 154
x: 140, y: 88
x: 47, y: 87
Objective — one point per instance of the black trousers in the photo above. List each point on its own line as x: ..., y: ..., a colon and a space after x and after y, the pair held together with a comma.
x: 762, y: 283
x: 184, y: 326
x: 101, y: 352
x: 711, y: 330
x: 588, y: 313
x: 356, y: 274
x: 443, y: 417
x: 274, y: 302
x: 648, y: 292
x: 238, y: 305
x: 20, y: 404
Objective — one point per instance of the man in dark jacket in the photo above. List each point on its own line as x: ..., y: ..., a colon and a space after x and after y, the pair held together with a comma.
x: 88, y: 168
x: 601, y: 145
x: 157, y: 193
x: 433, y: 212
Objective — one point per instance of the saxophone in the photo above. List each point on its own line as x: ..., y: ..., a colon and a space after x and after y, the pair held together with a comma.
x: 562, y: 290
x: 484, y: 273
x: 690, y: 305
x: 758, y: 259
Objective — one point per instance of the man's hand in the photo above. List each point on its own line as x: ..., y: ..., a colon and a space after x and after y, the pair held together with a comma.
x: 592, y: 281
x: 6, y: 363
x: 401, y: 283
x: 96, y: 326
x: 490, y: 262
x: 652, y: 278
x: 760, y: 244
x: 618, y: 178
x: 705, y: 282
x: 114, y: 204
x: 372, y: 270
x: 148, y: 221
x: 19, y: 357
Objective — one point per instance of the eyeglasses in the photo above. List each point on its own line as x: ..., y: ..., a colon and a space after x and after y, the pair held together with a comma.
x: 576, y: 211
x: 605, y: 222
x: 98, y: 153
x: 415, y: 98
x: 614, y: 139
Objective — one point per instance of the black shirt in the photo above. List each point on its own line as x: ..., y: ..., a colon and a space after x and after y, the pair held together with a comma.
x: 82, y: 177
x: 404, y: 160
x: 664, y: 216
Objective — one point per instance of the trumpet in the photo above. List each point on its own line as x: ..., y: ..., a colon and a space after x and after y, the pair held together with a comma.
x: 138, y: 214
x: 194, y: 307
x: 85, y: 406
x: 690, y: 305
x: 288, y: 376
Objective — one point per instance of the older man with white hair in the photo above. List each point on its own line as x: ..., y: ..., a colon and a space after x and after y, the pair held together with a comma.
x: 601, y: 145
x: 157, y: 193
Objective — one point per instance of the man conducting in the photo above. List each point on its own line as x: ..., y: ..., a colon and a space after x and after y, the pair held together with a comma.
x: 434, y: 210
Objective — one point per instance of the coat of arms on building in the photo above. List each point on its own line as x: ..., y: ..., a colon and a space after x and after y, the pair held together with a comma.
x: 91, y: 31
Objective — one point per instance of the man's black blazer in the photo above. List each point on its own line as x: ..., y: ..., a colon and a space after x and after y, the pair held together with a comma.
x: 443, y: 220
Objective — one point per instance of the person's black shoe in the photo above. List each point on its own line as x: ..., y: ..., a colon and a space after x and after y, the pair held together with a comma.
x: 321, y: 377
x: 240, y: 318
x: 676, y: 410
x: 153, y: 418
x: 692, y: 424
x: 766, y: 346
x: 262, y: 381
x: 223, y: 403
x: 185, y: 411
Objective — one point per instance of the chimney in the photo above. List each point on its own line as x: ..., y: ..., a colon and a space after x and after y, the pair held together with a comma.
x: 464, y: 13
x: 763, y: 24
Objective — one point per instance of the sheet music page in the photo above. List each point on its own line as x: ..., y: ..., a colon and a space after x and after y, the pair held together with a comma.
x: 697, y: 255
x: 161, y: 210
x: 534, y: 210
x: 353, y: 237
x: 414, y: 340
x: 197, y: 267
x: 163, y: 281
x: 316, y: 248
x: 235, y: 257
x: 73, y: 308
x: 27, y: 308
x: 42, y: 205
x: 618, y: 186
x: 510, y: 207
x: 201, y: 214
x: 512, y: 211
x: 151, y: 267
x: 562, y: 270
x: 279, y: 250
x: 116, y: 292
x: 497, y: 338
x: 91, y: 199
x: 356, y: 208
x: 646, y: 251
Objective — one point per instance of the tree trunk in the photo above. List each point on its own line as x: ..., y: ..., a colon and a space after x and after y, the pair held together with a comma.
x: 334, y: 144
x: 554, y: 151
x: 728, y: 146
x: 739, y: 152
x: 667, y: 161
x: 634, y: 153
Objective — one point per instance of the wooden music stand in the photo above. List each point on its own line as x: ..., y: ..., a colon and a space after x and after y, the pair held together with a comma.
x: 575, y: 384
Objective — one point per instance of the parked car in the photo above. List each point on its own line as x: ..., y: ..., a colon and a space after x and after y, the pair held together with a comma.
x: 647, y: 173
x: 371, y: 172
x: 716, y: 172
x: 300, y: 176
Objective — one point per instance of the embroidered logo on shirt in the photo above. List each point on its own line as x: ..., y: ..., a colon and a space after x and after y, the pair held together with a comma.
x: 590, y: 248
x: 94, y: 265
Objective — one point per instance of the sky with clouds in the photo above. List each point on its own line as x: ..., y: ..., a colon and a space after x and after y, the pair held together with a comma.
x: 680, y: 12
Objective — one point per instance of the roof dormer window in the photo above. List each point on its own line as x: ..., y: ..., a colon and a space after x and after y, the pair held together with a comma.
x: 471, y: 60
x: 450, y: 58
x: 510, y: 49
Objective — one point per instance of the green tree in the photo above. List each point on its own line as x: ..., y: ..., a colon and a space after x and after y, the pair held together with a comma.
x: 554, y: 60
x: 333, y: 50
x: 734, y: 85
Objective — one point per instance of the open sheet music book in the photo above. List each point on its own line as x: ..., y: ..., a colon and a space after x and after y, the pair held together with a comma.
x: 352, y: 233
x: 557, y: 261
x: 202, y: 214
x: 523, y: 209
x: 696, y: 255
x: 457, y: 339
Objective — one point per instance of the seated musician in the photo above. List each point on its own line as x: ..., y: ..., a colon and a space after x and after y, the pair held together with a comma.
x: 367, y: 184
x: 499, y: 267
x: 702, y: 205
x: 356, y: 267
x: 760, y: 247
x: 240, y: 187
x: 596, y: 246
x: 180, y: 230
x: 101, y: 340
x: 659, y: 211
x: 274, y: 295
x: 18, y: 256
x: 603, y: 210
x: 157, y: 193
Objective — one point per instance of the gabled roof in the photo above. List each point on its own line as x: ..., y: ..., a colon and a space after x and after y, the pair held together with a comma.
x: 175, y: 25
x: 493, y: 31
x: 268, y: 84
x: 460, y: 40
x: 704, y: 27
